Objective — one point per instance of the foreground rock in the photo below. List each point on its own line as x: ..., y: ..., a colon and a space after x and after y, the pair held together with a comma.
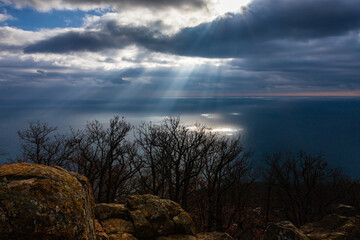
x: 149, y: 217
x: 145, y: 217
x: 283, y: 231
x: 334, y: 227
x: 344, y: 224
x: 41, y: 202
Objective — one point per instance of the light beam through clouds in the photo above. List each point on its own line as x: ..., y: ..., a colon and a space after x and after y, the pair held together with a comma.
x: 274, y: 48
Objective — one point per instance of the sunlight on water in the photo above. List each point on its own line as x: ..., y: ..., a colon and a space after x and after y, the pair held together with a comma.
x: 282, y: 124
x: 227, y: 130
x: 210, y: 116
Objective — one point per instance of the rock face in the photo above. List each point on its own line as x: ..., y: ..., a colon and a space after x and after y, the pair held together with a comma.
x: 283, y: 231
x: 344, y: 224
x: 334, y: 227
x: 149, y: 217
x: 41, y: 202
x: 145, y: 217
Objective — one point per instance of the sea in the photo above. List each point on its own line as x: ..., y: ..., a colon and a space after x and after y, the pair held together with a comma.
x: 317, y: 125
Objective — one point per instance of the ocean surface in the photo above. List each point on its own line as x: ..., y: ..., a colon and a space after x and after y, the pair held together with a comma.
x: 330, y: 126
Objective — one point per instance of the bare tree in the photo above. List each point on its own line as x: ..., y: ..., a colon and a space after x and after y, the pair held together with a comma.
x: 106, y: 157
x: 304, y: 185
x: 225, y: 174
x: 269, y: 179
x: 41, y: 144
x: 174, y: 155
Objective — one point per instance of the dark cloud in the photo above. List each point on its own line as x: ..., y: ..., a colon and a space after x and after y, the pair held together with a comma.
x: 277, y: 46
x: 110, y: 36
x: 254, y: 31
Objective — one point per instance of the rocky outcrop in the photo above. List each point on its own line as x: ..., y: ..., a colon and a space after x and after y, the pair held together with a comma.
x: 334, y: 227
x: 145, y: 217
x: 99, y: 231
x: 344, y: 224
x: 41, y: 202
x: 149, y: 217
x: 283, y: 231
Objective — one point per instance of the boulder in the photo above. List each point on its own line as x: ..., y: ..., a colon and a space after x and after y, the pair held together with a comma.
x: 334, y: 227
x: 153, y: 217
x: 142, y: 226
x: 145, y: 217
x: 115, y: 221
x: 111, y: 210
x: 116, y: 225
x: 122, y: 236
x: 99, y: 231
x: 184, y: 224
x: 42, y: 202
x: 284, y: 230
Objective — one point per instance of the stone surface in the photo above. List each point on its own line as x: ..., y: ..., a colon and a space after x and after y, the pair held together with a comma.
x: 99, y: 231
x: 214, y: 236
x: 142, y: 226
x: 145, y: 217
x: 116, y: 225
x: 184, y: 223
x: 153, y: 216
x: 283, y: 231
x: 334, y: 227
x: 42, y: 202
x: 111, y: 210
x: 122, y: 236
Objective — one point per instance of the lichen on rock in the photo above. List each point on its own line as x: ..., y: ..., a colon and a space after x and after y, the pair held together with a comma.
x: 42, y: 202
x: 334, y: 227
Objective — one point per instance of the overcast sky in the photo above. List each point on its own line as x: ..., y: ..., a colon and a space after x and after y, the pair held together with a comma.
x: 112, y: 49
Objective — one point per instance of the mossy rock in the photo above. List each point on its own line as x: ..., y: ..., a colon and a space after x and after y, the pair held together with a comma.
x: 42, y: 202
x: 116, y: 225
x: 184, y: 224
x: 164, y: 217
x: 111, y: 210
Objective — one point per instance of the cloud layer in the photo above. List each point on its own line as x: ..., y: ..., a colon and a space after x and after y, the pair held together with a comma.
x: 255, y: 30
x: 271, y: 46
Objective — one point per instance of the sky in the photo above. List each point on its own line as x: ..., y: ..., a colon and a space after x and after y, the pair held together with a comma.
x: 116, y: 49
x: 267, y: 69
